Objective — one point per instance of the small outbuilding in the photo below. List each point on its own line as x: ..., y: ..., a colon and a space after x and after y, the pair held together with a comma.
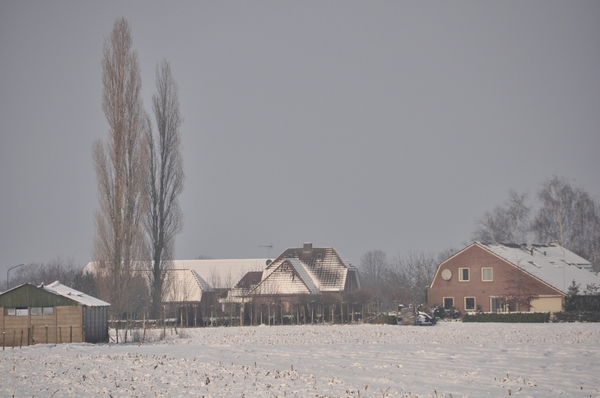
x: 51, y: 314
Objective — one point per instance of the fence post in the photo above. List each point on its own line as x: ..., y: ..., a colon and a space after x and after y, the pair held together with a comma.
x: 46, y: 334
x: 3, y: 340
x: 144, y: 335
x: 71, y: 334
x: 60, y: 333
x: 21, y: 343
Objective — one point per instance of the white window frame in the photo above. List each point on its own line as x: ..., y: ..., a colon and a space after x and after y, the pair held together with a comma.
x: 444, y: 302
x: 23, y: 311
x: 474, y: 304
x: 460, y: 274
x: 491, y: 274
x: 12, y: 311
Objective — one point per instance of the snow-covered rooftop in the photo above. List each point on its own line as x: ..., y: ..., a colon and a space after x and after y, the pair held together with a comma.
x: 552, y: 263
x: 222, y: 273
x: 320, y: 269
x: 185, y: 285
x: 75, y: 295
x: 303, y: 273
x: 217, y: 273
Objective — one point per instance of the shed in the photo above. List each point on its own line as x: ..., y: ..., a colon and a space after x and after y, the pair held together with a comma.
x: 51, y: 314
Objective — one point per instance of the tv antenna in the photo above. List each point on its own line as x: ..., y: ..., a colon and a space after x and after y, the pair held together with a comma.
x: 268, y: 247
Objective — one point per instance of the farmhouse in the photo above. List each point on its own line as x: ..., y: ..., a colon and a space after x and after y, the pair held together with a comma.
x: 509, y: 277
x: 51, y: 314
x: 299, y: 271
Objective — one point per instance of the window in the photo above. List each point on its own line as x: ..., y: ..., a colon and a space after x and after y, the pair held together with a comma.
x: 463, y: 274
x: 448, y: 302
x: 22, y: 311
x: 487, y: 275
x: 496, y: 304
x: 42, y: 310
x: 469, y: 303
x: 10, y: 311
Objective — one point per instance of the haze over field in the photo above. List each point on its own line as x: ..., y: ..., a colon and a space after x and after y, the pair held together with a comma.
x: 352, y: 125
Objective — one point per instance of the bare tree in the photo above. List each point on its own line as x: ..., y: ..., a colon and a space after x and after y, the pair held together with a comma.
x: 63, y: 270
x: 519, y: 291
x: 506, y: 223
x: 403, y: 279
x: 373, y: 266
x: 567, y: 214
x: 121, y: 172
x: 570, y: 216
x: 374, y: 271
x: 164, y: 218
x: 410, y: 276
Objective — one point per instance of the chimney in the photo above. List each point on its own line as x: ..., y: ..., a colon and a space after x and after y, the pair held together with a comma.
x: 307, y: 247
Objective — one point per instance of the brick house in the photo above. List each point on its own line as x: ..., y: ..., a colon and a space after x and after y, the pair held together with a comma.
x: 508, y: 277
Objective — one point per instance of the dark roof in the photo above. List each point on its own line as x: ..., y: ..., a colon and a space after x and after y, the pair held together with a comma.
x: 251, y: 278
x: 27, y: 295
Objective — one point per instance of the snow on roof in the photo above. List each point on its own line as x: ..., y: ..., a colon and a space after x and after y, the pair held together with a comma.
x: 289, y: 277
x: 216, y: 273
x: 185, y: 285
x: 552, y: 263
x: 303, y: 273
x: 75, y: 295
x: 323, y: 266
x: 222, y: 273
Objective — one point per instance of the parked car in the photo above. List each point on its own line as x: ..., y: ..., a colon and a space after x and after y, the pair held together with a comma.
x: 424, y: 319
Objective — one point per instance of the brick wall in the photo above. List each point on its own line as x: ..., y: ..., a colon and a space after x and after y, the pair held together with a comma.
x: 506, y: 278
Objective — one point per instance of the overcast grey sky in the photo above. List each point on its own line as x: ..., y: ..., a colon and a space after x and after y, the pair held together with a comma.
x: 358, y: 125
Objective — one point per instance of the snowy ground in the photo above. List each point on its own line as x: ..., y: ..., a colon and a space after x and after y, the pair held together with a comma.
x: 447, y: 360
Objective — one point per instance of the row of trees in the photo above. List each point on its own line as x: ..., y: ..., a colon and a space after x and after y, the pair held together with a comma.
x: 400, y: 280
x: 140, y: 177
x: 66, y: 271
x: 563, y: 213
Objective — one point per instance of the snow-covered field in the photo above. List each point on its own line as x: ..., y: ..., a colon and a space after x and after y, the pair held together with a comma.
x: 447, y: 360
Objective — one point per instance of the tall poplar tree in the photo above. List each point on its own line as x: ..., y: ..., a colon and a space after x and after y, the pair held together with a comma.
x: 164, y: 184
x: 121, y: 170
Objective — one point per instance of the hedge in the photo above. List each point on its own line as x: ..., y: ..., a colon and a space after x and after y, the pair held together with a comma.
x: 577, y: 316
x: 511, y: 317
